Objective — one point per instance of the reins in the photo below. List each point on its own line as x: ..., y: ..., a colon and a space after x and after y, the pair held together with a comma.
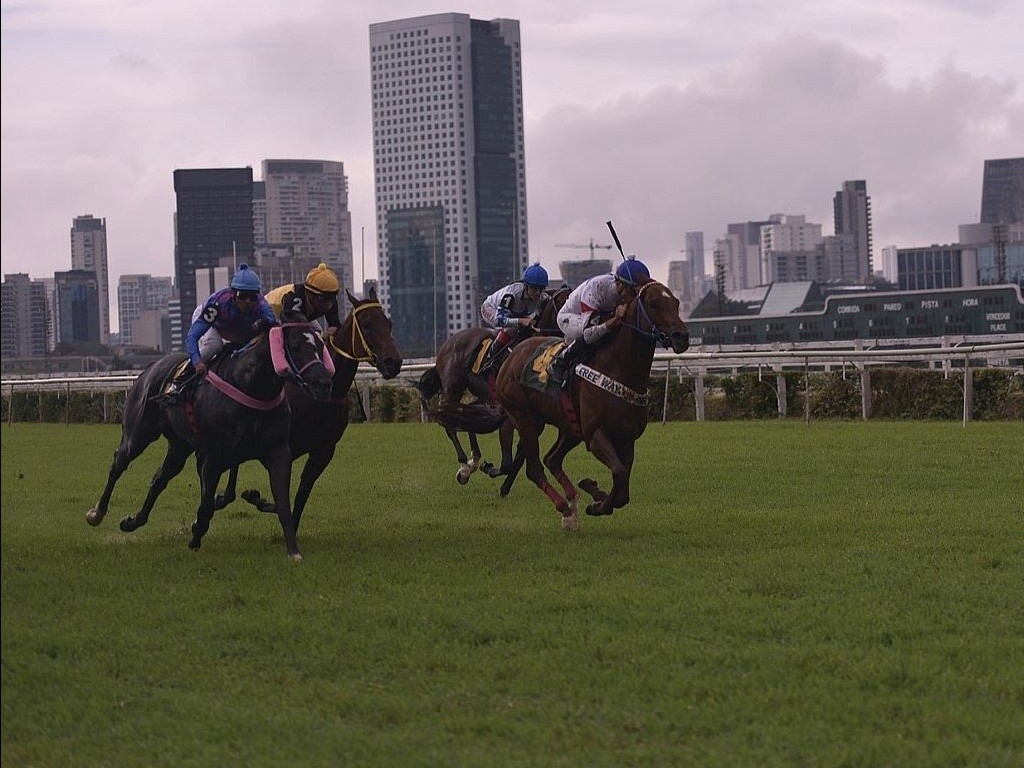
x: 357, y: 335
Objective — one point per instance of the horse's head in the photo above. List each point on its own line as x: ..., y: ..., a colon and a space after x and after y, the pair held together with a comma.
x: 365, y: 336
x: 299, y: 355
x: 657, y: 315
x: 546, y: 321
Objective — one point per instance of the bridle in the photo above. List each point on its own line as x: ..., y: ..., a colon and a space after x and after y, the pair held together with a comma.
x: 653, y: 332
x: 358, y: 337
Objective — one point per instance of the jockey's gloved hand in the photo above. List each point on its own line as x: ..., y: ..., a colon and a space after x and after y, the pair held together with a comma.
x: 201, y: 368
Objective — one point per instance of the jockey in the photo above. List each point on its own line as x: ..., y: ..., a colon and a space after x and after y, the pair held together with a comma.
x: 513, y: 308
x: 316, y: 298
x: 235, y: 314
x: 579, y: 316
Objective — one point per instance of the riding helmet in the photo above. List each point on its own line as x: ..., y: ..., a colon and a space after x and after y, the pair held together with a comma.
x: 321, y: 279
x: 536, y: 275
x: 246, y: 280
x: 632, y: 270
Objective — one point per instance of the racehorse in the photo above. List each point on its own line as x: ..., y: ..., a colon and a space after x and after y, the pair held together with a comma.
x: 606, y: 403
x: 452, y: 375
x: 238, y: 412
x: 317, y: 426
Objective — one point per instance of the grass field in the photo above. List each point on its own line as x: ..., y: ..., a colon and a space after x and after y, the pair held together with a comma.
x: 776, y: 594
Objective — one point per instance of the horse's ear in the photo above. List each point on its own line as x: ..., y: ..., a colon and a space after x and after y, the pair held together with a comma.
x: 352, y: 299
x: 372, y: 295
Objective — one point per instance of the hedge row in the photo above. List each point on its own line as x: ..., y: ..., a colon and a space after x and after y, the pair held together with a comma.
x: 896, y: 393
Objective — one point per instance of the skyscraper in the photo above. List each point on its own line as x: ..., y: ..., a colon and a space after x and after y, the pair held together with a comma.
x: 852, y: 208
x: 449, y: 170
x: 89, y: 253
x: 1002, y: 191
x: 305, y: 205
x: 213, y: 227
x: 23, y: 316
x: 136, y: 295
x: 695, y: 253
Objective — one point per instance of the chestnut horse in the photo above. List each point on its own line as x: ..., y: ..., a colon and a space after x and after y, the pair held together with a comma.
x: 237, y: 413
x: 608, y: 398
x: 452, y: 375
x: 318, y: 426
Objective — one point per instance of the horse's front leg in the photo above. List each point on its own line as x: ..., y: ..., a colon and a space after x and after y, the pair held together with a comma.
x: 314, y: 467
x: 278, y: 463
x: 513, y: 472
x: 566, y: 441
x: 462, y: 476
x: 221, y: 500
x: 174, y: 461
x: 604, y: 450
x: 529, y: 443
x: 505, y: 434
x: 210, y: 472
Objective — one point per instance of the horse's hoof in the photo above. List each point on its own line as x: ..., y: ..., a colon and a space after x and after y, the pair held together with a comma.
x: 598, y: 510
x: 252, y: 496
x: 463, y: 475
x: 128, y: 525
x: 296, y: 558
x: 195, y: 543
x: 570, y: 523
x: 94, y: 517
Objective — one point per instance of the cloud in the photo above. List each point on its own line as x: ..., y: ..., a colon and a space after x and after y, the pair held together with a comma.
x: 778, y: 132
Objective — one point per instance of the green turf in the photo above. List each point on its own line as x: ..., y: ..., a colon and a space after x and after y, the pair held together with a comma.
x: 776, y: 594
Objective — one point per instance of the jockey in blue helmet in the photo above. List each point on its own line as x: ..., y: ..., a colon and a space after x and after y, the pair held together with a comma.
x: 601, y: 295
x: 236, y: 314
x: 513, y: 308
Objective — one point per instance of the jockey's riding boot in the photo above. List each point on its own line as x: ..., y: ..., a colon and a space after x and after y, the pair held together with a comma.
x: 495, y: 352
x: 176, y: 387
x: 563, y: 363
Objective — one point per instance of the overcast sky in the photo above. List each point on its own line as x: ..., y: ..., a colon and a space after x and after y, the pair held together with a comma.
x: 664, y: 117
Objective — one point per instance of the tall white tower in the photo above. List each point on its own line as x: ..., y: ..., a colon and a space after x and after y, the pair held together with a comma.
x: 89, y: 252
x: 449, y: 170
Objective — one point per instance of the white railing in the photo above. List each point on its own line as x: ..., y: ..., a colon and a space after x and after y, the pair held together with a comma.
x: 697, y: 364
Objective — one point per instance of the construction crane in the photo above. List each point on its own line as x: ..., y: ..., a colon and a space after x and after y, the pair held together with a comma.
x: 591, y: 245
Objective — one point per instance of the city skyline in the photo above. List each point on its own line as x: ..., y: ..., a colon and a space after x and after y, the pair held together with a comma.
x: 664, y: 118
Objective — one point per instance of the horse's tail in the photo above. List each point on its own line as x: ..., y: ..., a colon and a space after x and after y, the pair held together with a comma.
x: 429, y: 384
x: 478, y: 417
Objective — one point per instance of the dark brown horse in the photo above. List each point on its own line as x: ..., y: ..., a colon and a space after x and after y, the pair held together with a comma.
x: 452, y: 376
x: 318, y: 426
x: 608, y: 400
x: 237, y: 413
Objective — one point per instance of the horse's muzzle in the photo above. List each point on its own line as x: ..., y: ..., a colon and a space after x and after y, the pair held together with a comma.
x: 680, y: 341
x: 389, y: 367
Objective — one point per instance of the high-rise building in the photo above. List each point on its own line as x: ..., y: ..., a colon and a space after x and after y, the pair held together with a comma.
x: 575, y: 272
x: 23, y: 317
x: 694, y: 251
x: 1002, y: 191
x: 213, y: 227
x: 743, y: 263
x: 77, y: 309
x: 136, y: 295
x: 449, y: 170
x: 852, y: 208
x: 305, y: 205
x: 786, y: 247
x: 89, y: 252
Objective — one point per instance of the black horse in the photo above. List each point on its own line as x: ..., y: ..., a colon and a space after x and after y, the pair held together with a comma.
x: 317, y: 425
x: 453, y: 375
x: 238, y: 412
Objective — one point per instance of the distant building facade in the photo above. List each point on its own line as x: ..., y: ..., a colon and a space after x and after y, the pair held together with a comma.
x: 305, y: 205
x: 449, y: 170
x: 76, y: 302
x: 23, y: 317
x: 694, y: 250
x: 213, y: 227
x: 137, y: 295
x: 575, y: 272
x: 1002, y: 191
x: 89, y: 252
x: 852, y: 210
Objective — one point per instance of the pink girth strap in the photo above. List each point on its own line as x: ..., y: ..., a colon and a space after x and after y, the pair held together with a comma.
x: 240, y: 397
